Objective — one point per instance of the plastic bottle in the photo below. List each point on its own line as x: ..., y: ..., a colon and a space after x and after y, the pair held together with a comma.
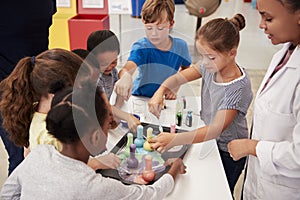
x: 173, y: 131
x: 179, y: 108
x: 179, y: 118
x: 173, y: 128
x: 189, y: 119
x: 129, y: 142
x: 132, y: 162
x: 148, y: 174
x: 139, y: 141
x: 147, y: 146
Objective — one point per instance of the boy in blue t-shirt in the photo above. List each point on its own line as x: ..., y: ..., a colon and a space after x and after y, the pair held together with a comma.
x: 157, y: 56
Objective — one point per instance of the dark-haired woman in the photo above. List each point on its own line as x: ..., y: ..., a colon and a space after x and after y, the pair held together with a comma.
x: 273, y: 166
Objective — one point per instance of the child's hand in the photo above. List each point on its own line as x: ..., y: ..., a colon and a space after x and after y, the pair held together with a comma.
x: 108, y: 161
x: 162, y: 142
x: 177, y: 162
x: 119, y: 102
x: 133, y: 122
x: 155, y: 104
x: 123, y: 86
x: 113, y: 124
x: 170, y: 95
x: 242, y: 147
x: 177, y: 167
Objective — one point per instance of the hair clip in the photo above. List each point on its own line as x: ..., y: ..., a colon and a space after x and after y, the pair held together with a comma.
x: 32, y: 61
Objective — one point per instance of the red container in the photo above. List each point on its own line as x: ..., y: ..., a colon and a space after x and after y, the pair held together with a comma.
x: 247, y: 1
x: 82, y: 25
x: 85, y: 22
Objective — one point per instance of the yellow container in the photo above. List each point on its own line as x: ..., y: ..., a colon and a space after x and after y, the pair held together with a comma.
x: 59, y: 31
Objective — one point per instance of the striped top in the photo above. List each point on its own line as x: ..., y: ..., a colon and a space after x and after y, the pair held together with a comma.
x: 236, y: 95
x: 107, y: 82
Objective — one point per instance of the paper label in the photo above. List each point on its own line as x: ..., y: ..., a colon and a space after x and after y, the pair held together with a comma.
x: 63, y: 3
x: 93, y: 3
x: 119, y: 7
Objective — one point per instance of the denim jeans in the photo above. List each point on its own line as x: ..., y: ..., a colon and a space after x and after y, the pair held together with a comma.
x: 233, y: 169
x: 15, y: 153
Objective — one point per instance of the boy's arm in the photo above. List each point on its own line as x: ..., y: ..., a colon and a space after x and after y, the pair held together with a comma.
x: 183, y: 68
x: 119, y: 101
x: 123, y: 86
x: 129, y: 67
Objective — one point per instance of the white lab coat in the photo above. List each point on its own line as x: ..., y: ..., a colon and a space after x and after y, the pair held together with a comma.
x: 275, y: 173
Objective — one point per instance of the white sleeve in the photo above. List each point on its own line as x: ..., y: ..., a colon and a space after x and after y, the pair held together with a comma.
x: 283, y: 158
x: 11, y: 188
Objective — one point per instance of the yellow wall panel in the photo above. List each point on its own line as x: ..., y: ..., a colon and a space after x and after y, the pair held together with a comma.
x: 59, y: 32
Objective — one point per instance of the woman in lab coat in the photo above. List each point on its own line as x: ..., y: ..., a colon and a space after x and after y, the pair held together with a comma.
x: 273, y: 170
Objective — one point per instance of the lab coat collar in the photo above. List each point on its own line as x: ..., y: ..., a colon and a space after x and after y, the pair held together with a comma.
x: 293, y: 62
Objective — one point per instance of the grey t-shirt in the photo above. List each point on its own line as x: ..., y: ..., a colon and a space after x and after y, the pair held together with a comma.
x: 47, y: 174
x: 236, y: 95
x: 107, y: 82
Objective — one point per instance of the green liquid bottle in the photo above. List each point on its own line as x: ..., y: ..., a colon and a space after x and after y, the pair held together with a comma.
x: 179, y: 118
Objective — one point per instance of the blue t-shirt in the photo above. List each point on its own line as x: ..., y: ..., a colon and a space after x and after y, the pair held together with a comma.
x: 155, y: 66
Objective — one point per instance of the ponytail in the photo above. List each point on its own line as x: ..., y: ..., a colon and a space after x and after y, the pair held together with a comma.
x: 33, y: 78
x: 17, y: 100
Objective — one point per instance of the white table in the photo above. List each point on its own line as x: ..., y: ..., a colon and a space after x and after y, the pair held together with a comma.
x: 205, y: 177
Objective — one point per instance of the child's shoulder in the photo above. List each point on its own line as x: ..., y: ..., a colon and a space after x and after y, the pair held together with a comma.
x: 178, y: 42
x: 143, y: 42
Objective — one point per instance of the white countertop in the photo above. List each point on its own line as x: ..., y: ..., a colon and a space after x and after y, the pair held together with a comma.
x: 205, y: 177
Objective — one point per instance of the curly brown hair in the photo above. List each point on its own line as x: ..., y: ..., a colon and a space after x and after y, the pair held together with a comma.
x: 31, y: 79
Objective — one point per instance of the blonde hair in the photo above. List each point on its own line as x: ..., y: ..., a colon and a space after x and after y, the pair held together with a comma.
x: 152, y: 10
